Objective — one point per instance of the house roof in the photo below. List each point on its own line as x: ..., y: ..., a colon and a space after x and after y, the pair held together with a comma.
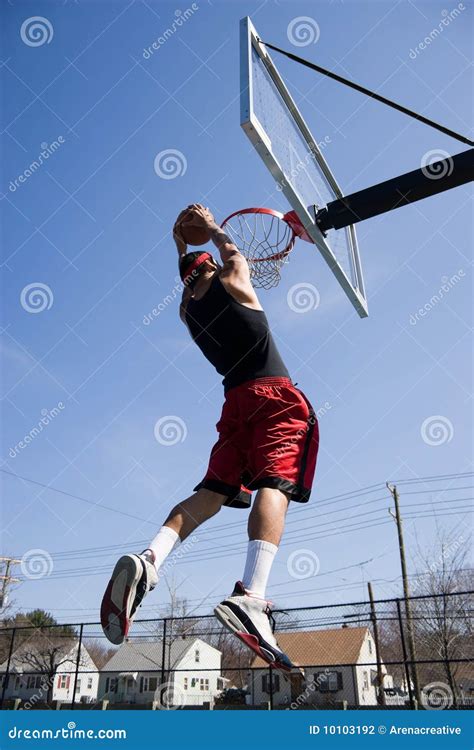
x: 314, y: 648
x: 143, y: 656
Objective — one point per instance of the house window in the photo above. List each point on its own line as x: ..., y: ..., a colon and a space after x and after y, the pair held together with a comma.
x: 197, y: 656
x: 203, y: 684
x: 193, y: 681
x: 111, y: 685
x: 185, y: 683
x: 220, y: 683
x: 370, y: 646
x: 63, y: 681
x: 78, y: 685
x: 89, y: 683
x: 272, y: 687
x: 34, y: 681
x: 328, y: 682
x: 365, y: 684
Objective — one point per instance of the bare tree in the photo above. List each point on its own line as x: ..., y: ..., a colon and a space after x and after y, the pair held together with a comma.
x: 442, y: 620
x: 99, y: 653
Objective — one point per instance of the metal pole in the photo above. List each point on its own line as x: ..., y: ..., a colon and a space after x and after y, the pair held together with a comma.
x: 406, y: 593
x: 6, y: 675
x: 270, y: 669
x: 402, y: 190
x: 163, y: 652
x: 78, y: 661
x: 7, y: 579
x: 405, y: 656
x: 380, y: 691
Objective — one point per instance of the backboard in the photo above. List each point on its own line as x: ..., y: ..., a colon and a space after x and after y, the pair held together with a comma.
x: 274, y: 125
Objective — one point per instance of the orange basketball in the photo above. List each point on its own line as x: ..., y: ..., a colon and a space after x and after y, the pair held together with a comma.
x: 194, y: 235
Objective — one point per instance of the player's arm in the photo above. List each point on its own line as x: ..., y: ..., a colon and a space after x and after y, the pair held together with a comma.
x: 232, y: 259
x: 181, y: 247
x: 235, y: 272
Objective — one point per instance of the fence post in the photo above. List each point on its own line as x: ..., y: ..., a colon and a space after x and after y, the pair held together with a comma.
x: 78, y: 661
x: 270, y: 679
x: 163, y: 652
x: 7, y: 673
x: 373, y: 616
x: 447, y: 664
x: 405, y: 658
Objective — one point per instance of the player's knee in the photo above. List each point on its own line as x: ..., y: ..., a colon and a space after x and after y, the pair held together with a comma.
x: 211, y: 501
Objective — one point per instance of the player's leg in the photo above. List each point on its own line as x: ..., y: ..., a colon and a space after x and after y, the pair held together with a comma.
x: 284, y: 443
x: 135, y: 575
x: 246, y: 612
x: 265, y: 529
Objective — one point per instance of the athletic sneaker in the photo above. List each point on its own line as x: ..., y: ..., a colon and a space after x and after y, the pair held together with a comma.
x: 250, y: 618
x: 133, y: 577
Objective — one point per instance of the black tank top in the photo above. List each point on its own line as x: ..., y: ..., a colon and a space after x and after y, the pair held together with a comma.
x: 233, y: 337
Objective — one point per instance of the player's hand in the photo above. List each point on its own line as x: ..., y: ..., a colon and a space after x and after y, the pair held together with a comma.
x: 200, y: 216
x: 181, y: 245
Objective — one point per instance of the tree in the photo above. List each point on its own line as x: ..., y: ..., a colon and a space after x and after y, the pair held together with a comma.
x: 42, y: 645
x: 99, y: 652
x: 442, y: 620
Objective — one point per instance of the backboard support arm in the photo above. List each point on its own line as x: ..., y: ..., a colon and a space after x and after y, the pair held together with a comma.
x: 398, y: 191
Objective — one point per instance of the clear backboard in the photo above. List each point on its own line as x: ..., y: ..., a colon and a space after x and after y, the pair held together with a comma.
x: 276, y: 128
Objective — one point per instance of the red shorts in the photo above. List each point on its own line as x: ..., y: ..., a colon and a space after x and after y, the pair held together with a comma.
x: 268, y: 437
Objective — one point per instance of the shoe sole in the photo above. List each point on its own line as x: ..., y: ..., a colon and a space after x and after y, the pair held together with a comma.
x: 229, y: 619
x: 118, y: 599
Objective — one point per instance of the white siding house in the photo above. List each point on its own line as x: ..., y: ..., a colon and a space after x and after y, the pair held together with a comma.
x: 191, y: 675
x: 26, y: 682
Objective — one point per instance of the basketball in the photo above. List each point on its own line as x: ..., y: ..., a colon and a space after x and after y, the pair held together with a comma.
x: 194, y: 235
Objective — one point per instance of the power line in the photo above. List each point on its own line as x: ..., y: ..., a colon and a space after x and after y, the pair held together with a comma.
x: 239, y: 549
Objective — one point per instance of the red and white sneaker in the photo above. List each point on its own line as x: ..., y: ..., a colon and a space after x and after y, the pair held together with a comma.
x: 133, y: 577
x: 249, y: 618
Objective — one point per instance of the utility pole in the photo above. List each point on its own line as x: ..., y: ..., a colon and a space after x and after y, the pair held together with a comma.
x: 373, y: 617
x: 406, y: 591
x: 7, y: 578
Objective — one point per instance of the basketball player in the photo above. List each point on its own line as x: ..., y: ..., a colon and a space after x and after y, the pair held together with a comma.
x: 268, y: 443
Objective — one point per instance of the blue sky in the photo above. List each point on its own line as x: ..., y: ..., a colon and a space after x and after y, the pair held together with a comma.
x: 93, y: 223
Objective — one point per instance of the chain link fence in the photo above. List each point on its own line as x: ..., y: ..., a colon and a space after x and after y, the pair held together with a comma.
x: 390, y: 653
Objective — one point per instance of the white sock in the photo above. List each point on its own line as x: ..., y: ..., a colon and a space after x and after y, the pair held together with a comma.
x: 162, y: 545
x: 260, y: 556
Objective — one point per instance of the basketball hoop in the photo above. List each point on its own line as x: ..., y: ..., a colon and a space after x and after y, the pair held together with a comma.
x: 265, y: 237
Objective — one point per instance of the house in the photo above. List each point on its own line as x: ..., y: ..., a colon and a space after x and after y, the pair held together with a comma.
x: 191, y: 675
x: 40, y: 673
x: 338, y: 665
